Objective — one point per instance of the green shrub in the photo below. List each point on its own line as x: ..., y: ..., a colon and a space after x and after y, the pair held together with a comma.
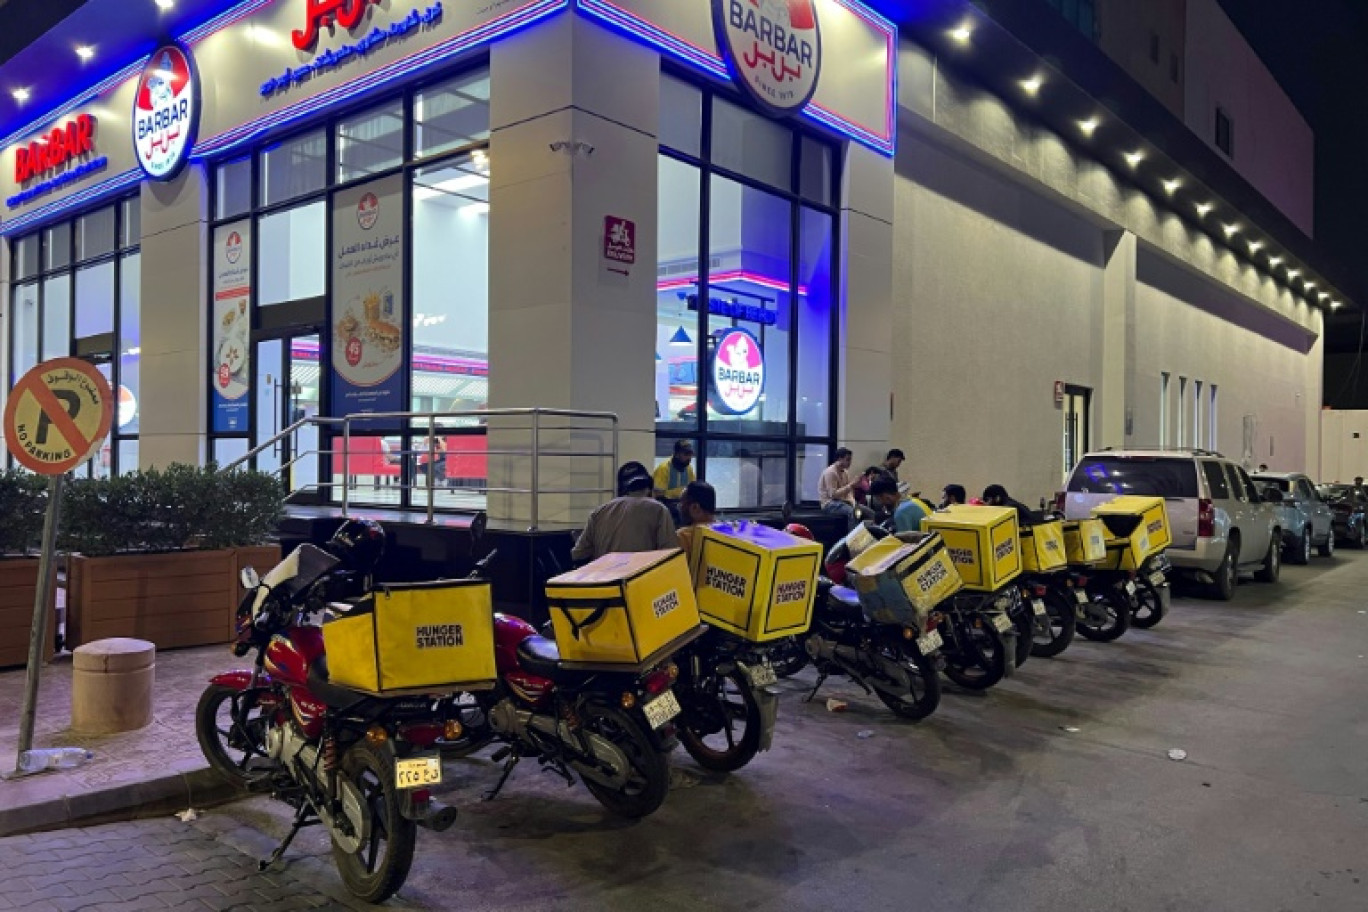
x: 23, y: 502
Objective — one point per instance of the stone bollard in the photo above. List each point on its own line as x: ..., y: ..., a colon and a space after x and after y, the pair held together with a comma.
x: 111, y: 686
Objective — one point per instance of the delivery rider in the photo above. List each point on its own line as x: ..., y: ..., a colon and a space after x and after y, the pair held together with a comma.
x: 632, y: 521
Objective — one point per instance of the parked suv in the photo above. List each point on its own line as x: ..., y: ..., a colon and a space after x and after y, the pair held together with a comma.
x: 1306, y: 521
x: 1220, y: 523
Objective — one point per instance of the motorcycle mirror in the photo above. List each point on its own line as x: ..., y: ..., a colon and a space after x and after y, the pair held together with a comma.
x: 249, y: 577
x: 478, y: 525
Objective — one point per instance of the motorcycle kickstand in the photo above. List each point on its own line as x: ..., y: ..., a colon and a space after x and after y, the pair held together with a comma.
x: 513, y: 757
x: 821, y: 679
x: 300, y: 821
x: 555, y: 765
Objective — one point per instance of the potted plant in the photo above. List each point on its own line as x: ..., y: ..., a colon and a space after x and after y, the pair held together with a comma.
x: 156, y: 555
x: 23, y: 501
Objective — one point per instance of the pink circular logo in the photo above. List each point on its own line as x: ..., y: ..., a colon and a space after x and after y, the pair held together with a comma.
x: 232, y: 248
x: 738, y: 372
x: 367, y: 212
x: 353, y: 351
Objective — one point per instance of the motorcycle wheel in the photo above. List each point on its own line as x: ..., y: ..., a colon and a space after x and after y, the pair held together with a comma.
x: 789, y: 657
x: 650, y: 773
x: 231, y: 731
x: 710, y: 736
x: 1025, y: 628
x: 1118, y: 611
x: 921, y: 674
x: 380, y: 866
x: 1149, y: 606
x: 981, y: 659
x: 1053, y: 634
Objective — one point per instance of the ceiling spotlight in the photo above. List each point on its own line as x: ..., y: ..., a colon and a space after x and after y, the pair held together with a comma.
x: 1089, y: 126
x: 1032, y: 85
x: 1335, y: 305
x: 1309, y: 286
x: 1255, y: 246
x: 85, y: 52
x: 165, y: 4
x: 20, y: 94
x: 1171, y: 186
x: 1231, y: 229
x: 1135, y: 158
x: 1275, y: 261
x: 1325, y: 296
x: 961, y: 34
x: 1293, y: 273
x: 1203, y: 209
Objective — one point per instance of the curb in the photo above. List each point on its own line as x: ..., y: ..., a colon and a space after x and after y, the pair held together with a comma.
x: 154, y: 797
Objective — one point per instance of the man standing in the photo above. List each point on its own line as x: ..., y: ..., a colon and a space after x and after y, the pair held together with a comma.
x: 630, y: 522
x: 674, y: 474
x: 697, y: 507
x: 835, y: 490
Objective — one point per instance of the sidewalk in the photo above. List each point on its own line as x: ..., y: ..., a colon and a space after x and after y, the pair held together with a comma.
x: 155, y: 770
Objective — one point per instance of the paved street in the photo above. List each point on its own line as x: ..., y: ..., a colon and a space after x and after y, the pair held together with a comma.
x: 993, y: 803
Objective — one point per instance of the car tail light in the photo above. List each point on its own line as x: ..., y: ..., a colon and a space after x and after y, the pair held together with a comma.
x: 1206, y: 518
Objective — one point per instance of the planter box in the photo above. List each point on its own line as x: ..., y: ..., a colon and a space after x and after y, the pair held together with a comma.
x: 184, y: 598
x: 18, y: 587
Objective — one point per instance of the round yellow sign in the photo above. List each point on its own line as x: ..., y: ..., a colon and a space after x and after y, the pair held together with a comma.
x: 57, y: 415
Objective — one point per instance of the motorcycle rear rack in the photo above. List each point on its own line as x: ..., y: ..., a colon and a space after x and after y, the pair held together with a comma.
x: 645, y: 664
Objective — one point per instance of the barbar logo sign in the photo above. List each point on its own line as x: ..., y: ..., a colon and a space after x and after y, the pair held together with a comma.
x: 47, y: 153
x: 166, y: 112
x: 738, y: 373
x: 774, y: 48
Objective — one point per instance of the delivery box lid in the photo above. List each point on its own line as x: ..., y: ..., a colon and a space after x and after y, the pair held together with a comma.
x: 758, y: 534
x: 613, y: 568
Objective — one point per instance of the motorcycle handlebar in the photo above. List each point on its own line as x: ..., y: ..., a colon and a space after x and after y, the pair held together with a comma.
x: 483, y: 564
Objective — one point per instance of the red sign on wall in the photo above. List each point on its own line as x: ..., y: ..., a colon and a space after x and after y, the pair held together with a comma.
x: 74, y: 138
x: 619, y: 240
x: 321, y: 14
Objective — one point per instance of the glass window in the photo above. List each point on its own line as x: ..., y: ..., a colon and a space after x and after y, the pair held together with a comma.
x: 451, y: 320
x: 293, y: 168
x: 1216, y: 480
x: 25, y: 328
x: 816, y: 168
x: 452, y: 115
x: 1251, y: 493
x: 816, y: 241
x: 676, y: 376
x: 745, y: 474
x: 370, y: 142
x: 229, y: 450
x: 130, y: 228
x: 750, y: 309
x: 130, y: 347
x: 57, y: 316
x: 95, y: 300
x: 681, y: 116
x: 128, y: 456
x: 752, y: 145
x: 233, y: 188
x: 26, y: 257
x: 57, y: 246
x: 1159, y: 477
x: 812, y: 462
x: 95, y: 234
x: 293, y: 262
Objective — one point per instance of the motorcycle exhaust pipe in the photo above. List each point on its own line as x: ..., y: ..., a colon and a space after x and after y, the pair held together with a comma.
x: 433, y: 815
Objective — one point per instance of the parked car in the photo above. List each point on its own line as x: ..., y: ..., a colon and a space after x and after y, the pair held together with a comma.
x: 1306, y: 520
x: 1221, y: 525
x: 1348, y: 516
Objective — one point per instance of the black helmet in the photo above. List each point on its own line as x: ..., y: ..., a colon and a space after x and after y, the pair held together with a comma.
x: 358, y: 544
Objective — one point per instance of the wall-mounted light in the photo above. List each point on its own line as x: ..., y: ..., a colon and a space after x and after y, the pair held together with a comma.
x: 1135, y: 158
x: 1335, y: 305
x: 20, y: 94
x: 165, y: 4
x: 1255, y: 246
x: 1032, y: 85
x: 1204, y: 209
x: 1309, y: 286
x: 1293, y: 273
x: 1325, y: 296
x: 1089, y: 126
x: 1275, y: 261
x: 1230, y: 229
x: 85, y: 52
x: 962, y: 34
x: 1171, y: 186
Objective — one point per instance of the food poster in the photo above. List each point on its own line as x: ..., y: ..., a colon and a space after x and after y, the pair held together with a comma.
x: 231, y: 356
x: 367, y: 298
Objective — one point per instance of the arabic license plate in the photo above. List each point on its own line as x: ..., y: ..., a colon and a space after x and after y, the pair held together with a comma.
x: 1038, y: 606
x: 929, y: 643
x: 1080, y: 596
x: 417, y: 772
x: 661, y: 710
x: 1002, y: 622
x: 761, y: 675
x: 1157, y: 578
x: 1130, y: 587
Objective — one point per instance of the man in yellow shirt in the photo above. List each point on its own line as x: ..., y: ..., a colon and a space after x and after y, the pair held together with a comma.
x: 673, y: 475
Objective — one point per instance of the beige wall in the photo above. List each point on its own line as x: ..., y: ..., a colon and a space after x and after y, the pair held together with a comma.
x: 1126, y: 27
x: 1344, y: 445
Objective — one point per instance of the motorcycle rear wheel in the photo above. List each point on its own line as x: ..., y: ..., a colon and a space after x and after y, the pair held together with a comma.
x: 650, y: 771
x: 1118, y: 610
x: 377, y: 870
x: 790, y: 656
x: 1149, y: 606
x: 921, y: 672
x: 981, y: 658
x: 1025, y: 630
x: 731, y: 698
x: 224, y: 719
x: 1062, y: 621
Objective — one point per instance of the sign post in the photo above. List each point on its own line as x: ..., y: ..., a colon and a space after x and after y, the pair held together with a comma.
x: 56, y: 417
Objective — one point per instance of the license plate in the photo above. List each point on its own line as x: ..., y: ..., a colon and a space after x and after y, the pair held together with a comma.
x: 661, y: 710
x: 1038, y: 606
x: 1002, y: 622
x: 1080, y: 596
x: 1157, y: 578
x: 416, y: 772
x: 761, y: 675
x: 1130, y: 587
x: 929, y: 643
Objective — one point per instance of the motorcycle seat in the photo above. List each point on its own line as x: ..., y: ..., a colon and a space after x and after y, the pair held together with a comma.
x: 845, y: 598
x: 334, y: 696
x: 541, y: 657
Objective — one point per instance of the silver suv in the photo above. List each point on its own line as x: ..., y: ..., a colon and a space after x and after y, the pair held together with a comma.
x: 1306, y: 520
x: 1220, y: 522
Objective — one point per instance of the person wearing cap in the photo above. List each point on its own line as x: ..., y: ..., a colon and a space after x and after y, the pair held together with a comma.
x: 697, y: 507
x: 675, y: 473
x: 995, y: 495
x: 632, y: 521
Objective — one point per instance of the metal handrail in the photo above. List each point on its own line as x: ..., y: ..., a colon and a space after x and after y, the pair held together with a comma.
x: 262, y: 447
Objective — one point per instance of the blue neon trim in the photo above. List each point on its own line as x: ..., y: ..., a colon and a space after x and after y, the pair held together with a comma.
x: 93, y: 193
x: 84, y: 169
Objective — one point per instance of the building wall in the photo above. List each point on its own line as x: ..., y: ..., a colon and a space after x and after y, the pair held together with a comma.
x: 1126, y: 29
x: 1344, y: 445
x: 1274, y: 147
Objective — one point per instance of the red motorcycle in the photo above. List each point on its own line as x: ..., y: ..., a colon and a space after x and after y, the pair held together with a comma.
x: 358, y: 764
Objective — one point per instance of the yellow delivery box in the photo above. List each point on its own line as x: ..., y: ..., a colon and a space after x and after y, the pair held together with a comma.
x: 983, y: 543
x: 1085, y: 541
x: 1137, y: 527
x: 1042, y: 548
x: 857, y: 542
x: 624, y: 609
x: 754, y: 581
x: 413, y: 636
x: 902, y: 578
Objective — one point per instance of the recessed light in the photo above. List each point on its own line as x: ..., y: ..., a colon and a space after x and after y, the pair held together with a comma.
x: 961, y: 34
x: 1089, y: 126
x: 1293, y: 273
x: 85, y: 52
x: 1231, y: 229
x: 1255, y: 246
x: 1032, y: 85
x: 1325, y: 296
x: 20, y: 94
x: 165, y: 4
x: 1335, y: 305
x: 1171, y: 186
x: 1203, y: 209
x: 1309, y: 286
x: 1275, y: 261
x: 1135, y: 158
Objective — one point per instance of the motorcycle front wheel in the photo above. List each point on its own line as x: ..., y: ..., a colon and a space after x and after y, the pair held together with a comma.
x: 923, y: 690
x: 1149, y: 606
x: 789, y: 657
x: 379, y: 867
x: 231, y: 729
x: 1115, y: 615
x: 649, y: 776
x: 1055, y: 631
x: 980, y: 658
x: 708, y: 728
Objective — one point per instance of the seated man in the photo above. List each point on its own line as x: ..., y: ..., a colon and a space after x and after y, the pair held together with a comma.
x: 953, y: 494
x: 697, y: 507
x: 996, y: 496
x: 836, y: 490
x: 906, y: 514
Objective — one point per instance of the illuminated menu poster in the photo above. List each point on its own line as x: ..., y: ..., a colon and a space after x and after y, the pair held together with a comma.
x: 230, y: 359
x: 367, y: 298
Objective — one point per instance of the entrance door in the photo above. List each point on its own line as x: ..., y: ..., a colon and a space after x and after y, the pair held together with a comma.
x: 1077, y: 429
x: 287, y: 391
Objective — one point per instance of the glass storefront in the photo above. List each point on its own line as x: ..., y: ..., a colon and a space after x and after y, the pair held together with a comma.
x: 76, y: 289
x: 746, y: 224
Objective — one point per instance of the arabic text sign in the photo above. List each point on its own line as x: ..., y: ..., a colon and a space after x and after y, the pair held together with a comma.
x: 57, y: 416
x: 230, y: 357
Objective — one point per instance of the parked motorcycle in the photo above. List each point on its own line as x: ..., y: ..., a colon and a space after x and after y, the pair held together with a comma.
x: 1054, y: 617
x: 728, y: 705
x: 357, y: 763
x: 1153, y: 594
x: 1105, y: 615
x: 980, y: 636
